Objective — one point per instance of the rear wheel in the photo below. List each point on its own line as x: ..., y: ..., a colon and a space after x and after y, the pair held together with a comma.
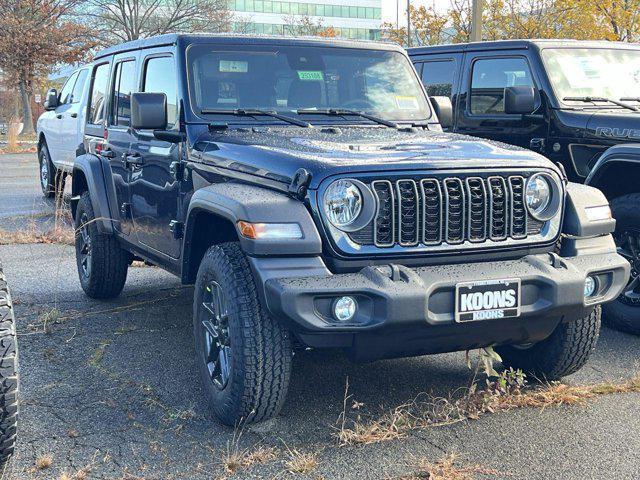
x: 102, y: 263
x: 624, y: 312
x: 8, y: 376
x: 243, y: 355
x: 564, y: 352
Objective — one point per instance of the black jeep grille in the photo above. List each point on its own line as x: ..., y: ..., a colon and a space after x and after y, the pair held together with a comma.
x: 448, y: 210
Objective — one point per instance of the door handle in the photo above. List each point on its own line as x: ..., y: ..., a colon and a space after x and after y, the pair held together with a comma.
x: 107, y: 153
x: 59, y: 116
x: 74, y: 115
x: 132, y: 160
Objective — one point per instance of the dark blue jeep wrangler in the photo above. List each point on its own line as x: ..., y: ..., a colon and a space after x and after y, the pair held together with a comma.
x: 306, y: 189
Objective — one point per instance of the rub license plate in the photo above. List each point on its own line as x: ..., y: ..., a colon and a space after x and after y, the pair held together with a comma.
x: 487, y: 300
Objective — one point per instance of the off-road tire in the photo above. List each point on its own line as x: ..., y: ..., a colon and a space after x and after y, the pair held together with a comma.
x: 8, y: 376
x: 109, y: 262
x: 564, y: 352
x: 618, y: 314
x: 260, y: 356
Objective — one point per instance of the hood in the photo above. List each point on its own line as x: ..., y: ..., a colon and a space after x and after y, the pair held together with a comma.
x: 620, y: 125
x: 278, y: 152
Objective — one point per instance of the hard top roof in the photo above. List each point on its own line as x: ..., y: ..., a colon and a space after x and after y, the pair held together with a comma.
x: 237, y: 39
x: 519, y: 44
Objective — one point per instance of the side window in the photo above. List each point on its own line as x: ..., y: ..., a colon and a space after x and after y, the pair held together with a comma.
x: 489, y: 79
x: 98, y: 94
x: 67, y: 89
x: 160, y: 77
x: 76, y: 95
x: 438, y: 77
x: 123, y: 86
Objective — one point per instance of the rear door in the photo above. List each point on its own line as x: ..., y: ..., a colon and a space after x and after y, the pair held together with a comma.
x: 481, y: 102
x: 118, y: 142
x: 154, y: 187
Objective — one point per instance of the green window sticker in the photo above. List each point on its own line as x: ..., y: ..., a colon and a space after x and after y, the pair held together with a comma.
x: 233, y: 66
x: 310, y: 75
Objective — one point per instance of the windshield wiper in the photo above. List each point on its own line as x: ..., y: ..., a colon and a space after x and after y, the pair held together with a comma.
x: 243, y: 112
x: 600, y: 99
x: 342, y: 111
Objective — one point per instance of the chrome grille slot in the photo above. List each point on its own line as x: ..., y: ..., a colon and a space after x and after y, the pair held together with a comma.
x: 518, y: 208
x: 498, y: 199
x: 408, y: 213
x: 477, y: 209
x: 431, y: 211
x: 384, y: 221
x: 454, y: 210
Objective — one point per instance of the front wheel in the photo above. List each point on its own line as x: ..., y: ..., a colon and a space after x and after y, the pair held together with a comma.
x: 624, y: 312
x: 243, y: 355
x: 564, y: 352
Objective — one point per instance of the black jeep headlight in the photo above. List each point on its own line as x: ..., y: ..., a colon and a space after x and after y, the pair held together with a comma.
x: 348, y: 204
x: 542, y: 196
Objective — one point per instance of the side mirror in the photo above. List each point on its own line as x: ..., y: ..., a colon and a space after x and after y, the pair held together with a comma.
x: 51, y: 100
x: 148, y: 111
x: 519, y: 100
x: 444, y: 110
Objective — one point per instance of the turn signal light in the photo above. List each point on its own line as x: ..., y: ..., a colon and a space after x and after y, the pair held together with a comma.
x: 269, y: 231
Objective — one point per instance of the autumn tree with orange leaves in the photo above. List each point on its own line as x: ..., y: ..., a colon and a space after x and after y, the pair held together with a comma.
x: 35, y: 36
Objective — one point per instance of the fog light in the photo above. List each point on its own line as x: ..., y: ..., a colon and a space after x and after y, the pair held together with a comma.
x: 344, y: 308
x: 590, y: 285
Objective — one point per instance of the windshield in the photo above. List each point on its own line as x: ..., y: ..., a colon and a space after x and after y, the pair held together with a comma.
x: 608, y: 73
x: 291, y: 78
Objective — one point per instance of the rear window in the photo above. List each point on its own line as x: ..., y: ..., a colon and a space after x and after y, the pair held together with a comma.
x: 438, y: 77
x: 123, y: 86
x: 98, y: 94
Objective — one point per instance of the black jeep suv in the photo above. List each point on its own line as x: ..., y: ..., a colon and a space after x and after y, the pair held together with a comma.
x: 306, y: 189
x: 576, y: 102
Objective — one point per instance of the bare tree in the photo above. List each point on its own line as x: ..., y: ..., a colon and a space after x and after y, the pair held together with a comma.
x: 36, y: 35
x: 124, y: 20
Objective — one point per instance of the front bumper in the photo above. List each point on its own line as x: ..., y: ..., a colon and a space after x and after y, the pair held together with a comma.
x: 406, y: 311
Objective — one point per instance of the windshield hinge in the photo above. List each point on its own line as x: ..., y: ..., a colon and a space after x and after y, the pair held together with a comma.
x: 300, y: 183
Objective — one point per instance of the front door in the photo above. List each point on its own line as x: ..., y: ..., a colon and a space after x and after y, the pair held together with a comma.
x: 70, y: 120
x: 481, y: 107
x: 155, y: 185
x: 56, y: 142
x: 117, y: 146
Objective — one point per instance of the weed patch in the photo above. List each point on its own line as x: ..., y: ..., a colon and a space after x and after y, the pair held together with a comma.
x: 450, y: 468
x: 236, y: 459
x: 301, y: 462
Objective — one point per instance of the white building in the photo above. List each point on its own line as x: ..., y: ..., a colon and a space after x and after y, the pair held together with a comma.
x: 358, y: 19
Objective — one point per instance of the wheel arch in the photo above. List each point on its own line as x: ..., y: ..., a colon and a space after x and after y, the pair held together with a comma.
x: 87, y: 176
x: 617, y: 171
x: 216, y: 210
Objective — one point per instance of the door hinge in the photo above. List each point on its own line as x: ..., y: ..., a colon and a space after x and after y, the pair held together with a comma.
x: 178, y: 171
x: 177, y: 229
x: 125, y: 211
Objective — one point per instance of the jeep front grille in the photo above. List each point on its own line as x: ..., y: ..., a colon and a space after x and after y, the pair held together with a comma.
x: 448, y: 211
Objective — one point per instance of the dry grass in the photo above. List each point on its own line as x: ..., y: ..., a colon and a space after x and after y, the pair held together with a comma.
x: 49, y: 318
x: 301, y: 462
x: 44, y: 461
x: 450, y: 468
x: 241, y: 459
x: 12, y: 137
x: 429, y: 411
x: 31, y: 234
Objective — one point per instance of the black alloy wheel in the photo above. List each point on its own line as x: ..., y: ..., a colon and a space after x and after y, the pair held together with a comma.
x: 215, y: 334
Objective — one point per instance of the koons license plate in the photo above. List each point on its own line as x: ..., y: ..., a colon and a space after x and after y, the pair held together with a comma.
x: 487, y: 300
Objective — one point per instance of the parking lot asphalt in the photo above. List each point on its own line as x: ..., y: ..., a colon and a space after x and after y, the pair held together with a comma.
x: 111, y: 389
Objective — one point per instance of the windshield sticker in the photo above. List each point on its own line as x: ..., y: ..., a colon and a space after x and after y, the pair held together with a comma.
x: 311, y: 75
x: 407, y: 103
x: 233, y: 66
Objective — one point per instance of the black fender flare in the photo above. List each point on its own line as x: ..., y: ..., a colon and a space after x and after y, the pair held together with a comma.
x: 616, y: 171
x: 88, y: 176
x: 235, y: 202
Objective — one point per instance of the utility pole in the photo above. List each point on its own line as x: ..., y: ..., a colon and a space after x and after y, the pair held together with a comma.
x: 408, y: 23
x: 476, y: 21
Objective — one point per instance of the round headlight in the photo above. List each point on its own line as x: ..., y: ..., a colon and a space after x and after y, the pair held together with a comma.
x: 538, y: 195
x: 342, y: 203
